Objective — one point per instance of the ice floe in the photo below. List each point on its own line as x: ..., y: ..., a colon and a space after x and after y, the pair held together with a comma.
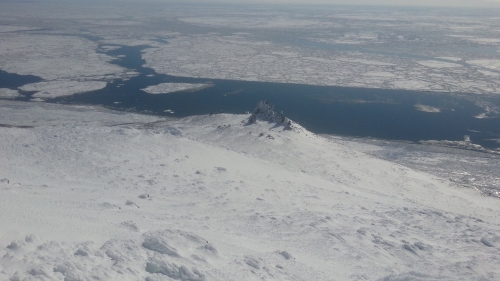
x: 438, y: 64
x: 237, y: 58
x: 14, y: 28
x: 54, y: 89
x: 8, y: 93
x: 427, y: 108
x: 489, y: 64
x: 165, y: 88
x: 56, y: 57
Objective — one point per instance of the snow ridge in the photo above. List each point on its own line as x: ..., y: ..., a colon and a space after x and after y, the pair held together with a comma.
x: 90, y: 194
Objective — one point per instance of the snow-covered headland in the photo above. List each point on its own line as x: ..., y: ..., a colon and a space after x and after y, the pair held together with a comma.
x: 92, y: 194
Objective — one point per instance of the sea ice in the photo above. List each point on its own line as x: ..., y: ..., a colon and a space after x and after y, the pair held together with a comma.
x: 427, y: 108
x: 438, y: 64
x: 13, y: 28
x: 489, y: 64
x: 8, y: 93
x: 238, y: 58
x: 56, y: 57
x: 60, y: 88
x: 230, y: 196
x: 165, y: 88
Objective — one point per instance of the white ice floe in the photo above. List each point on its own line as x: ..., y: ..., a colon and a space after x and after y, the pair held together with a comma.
x: 427, y: 108
x: 107, y: 48
x: 489, y: 73
x: 490, y: 64
x: 380, y: 74
x: 269, y: 21
x: 350, y: 38
x: 14, y: 28
x: 54, y: 89
x: 494, y: 41
x: 438, y: 64
x: 8, y: 93
x: 465, y: 144
x: 165, y: 88
x: 450, y: 58
x: 414, y: 84
x: 129, y: 41
x: 238, y: 58
x: 56, y: 57
x: 90, y: 192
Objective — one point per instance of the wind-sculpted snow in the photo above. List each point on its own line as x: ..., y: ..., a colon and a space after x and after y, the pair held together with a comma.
x: 173, y: 271
x: 48, y: 260
x: 222, y: 201
x: 415, y: 276
x: 154, y: 245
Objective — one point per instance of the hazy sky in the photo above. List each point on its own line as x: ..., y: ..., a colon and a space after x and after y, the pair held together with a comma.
x: 450, y: 3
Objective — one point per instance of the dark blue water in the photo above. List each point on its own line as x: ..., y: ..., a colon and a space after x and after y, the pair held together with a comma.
x: 377, y: 113
x: 12, y: 80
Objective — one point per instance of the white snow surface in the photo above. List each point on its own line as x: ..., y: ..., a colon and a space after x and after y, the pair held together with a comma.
x: 54, y: 89
x: 165, y: 88
x: 91, y: 194
x: 8, y: 93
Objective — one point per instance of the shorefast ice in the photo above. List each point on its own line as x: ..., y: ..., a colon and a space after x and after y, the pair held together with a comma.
x: 91, y: 194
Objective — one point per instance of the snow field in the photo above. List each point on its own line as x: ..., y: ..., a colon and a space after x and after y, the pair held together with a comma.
x: 90, y: 194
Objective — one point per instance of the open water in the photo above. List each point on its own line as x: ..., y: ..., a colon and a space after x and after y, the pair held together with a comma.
x: 360, y: 112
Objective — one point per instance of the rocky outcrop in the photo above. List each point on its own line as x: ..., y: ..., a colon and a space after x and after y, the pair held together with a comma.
x: 265, y: 112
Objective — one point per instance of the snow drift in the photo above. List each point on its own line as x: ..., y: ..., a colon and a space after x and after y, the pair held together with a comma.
x: 92, y: 194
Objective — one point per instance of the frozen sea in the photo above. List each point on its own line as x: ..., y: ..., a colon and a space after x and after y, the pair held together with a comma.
x: 347, y: 111
x: 394, y: 119
x: 390, y: 121
x: 120, y: 172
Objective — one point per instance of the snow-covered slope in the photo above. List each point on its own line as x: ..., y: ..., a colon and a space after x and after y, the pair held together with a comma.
x: 90, y: 194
